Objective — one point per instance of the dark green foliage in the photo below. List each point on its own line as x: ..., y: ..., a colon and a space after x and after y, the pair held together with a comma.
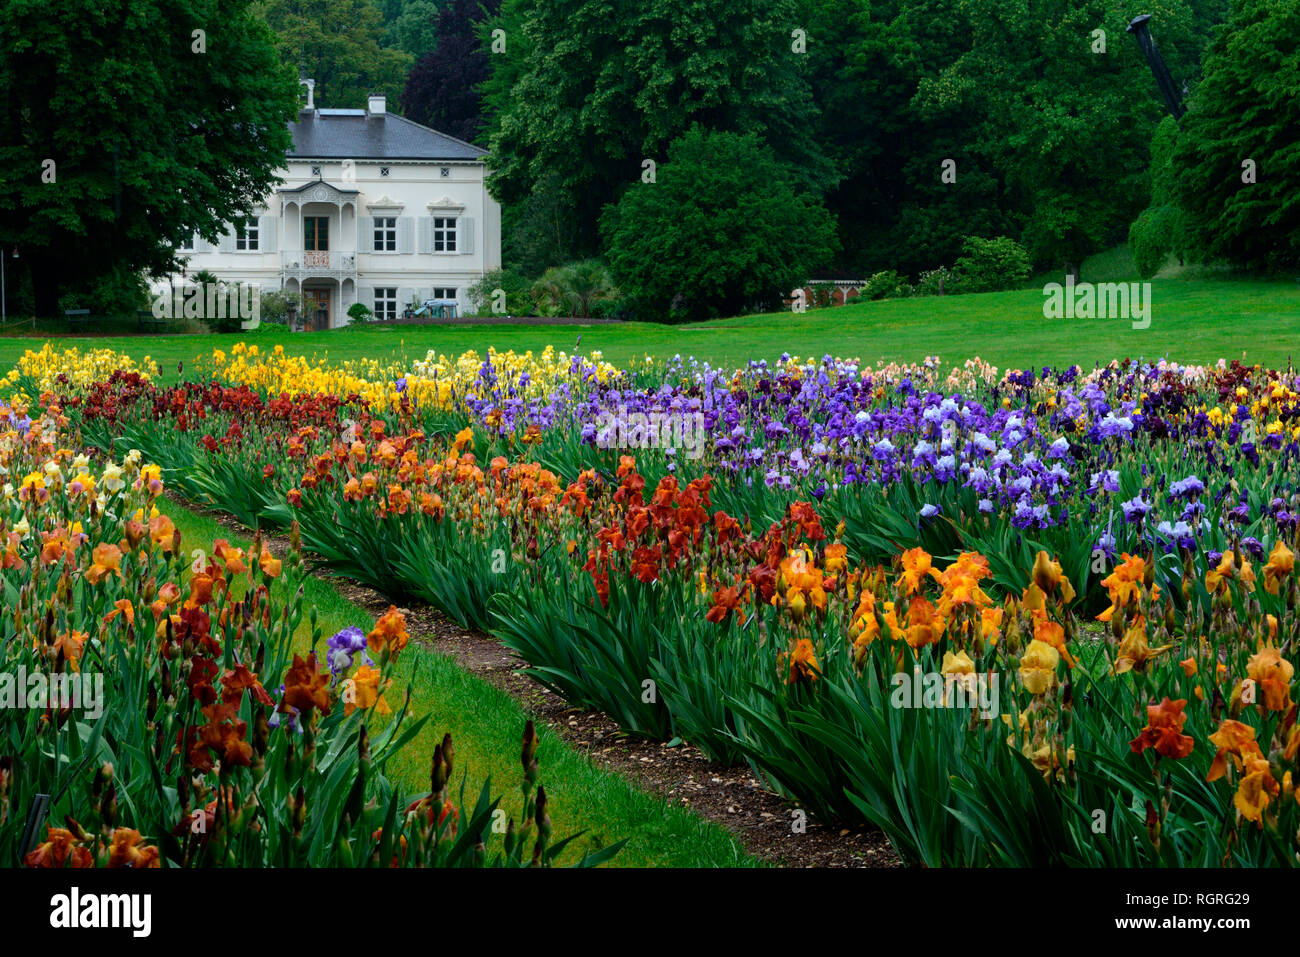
x: 1048, y: 134
x: 411, y: 25
x: 574, y: 289
x: 1161, y: 230
x: 721, y: 229
x: 1246, y: 111
x: 150, y: 139
x: 122, y: 292
x: 991, y: 265
x: 338, y: 44
x: 444, y: 89
x: 601, y: 88
x: 516, y: 286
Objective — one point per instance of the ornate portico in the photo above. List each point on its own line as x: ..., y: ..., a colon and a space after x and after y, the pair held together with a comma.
x: 310, y: 251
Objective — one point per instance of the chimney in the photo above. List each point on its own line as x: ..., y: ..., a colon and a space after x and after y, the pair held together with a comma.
x: 376, y: 105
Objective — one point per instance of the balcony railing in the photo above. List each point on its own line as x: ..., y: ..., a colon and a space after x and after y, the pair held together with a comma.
x: 304, y: 264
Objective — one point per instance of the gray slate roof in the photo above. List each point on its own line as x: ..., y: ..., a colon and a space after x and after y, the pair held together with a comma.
x: 351, y: 134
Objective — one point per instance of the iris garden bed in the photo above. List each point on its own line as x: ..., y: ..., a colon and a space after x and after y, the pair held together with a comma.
x: 819, y: 536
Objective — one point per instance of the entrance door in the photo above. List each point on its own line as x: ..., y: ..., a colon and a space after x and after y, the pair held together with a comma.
x: 316, y: 305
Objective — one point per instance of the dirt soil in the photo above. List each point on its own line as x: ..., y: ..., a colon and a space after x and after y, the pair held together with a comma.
x: 761, y: 820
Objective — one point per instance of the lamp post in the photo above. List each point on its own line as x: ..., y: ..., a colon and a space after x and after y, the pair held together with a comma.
x: 4, y: 299
x: 1147, y: 42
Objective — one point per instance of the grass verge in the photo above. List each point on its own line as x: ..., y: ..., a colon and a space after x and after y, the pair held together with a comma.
x: 486, y: 725
x: 1192, y: 320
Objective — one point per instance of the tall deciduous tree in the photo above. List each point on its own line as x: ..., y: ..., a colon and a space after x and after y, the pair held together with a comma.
x: 338, y: 43
x: 412, y: 26
x: 127, y: 125
x: 605, y: 87
x: 1044, y: 107
x: 1238, y: 154
x: 444, y: 89
x: 721, y: 229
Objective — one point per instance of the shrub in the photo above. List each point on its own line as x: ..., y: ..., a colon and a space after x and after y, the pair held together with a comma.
x: 516, y: 286
x: 122, y: 293
x: 723, y: 227
x: 359, y: 312
x: 991, y: 265
x: 276, y: 306
x: 573, y: 289
x: 614, y: 308
x: 1150, y: 238
x: 1161, y: 230
x: 936, y: 282
x: 886, y: 285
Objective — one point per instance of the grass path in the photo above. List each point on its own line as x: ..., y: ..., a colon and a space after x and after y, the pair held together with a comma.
x: 1192, y: 320
x: 486, y: 725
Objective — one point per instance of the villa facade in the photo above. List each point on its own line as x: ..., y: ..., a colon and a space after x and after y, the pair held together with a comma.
x: 372, y: 208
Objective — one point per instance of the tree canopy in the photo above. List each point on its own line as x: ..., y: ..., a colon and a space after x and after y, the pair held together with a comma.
x: 444, y: 88
x: 599, y: 88
x: 127, y: 125
x: 339, y: 44
x: 1237, y: 158
x: 722, y: 228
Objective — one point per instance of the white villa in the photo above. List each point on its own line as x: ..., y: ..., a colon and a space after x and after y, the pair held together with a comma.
x: 372, y: 208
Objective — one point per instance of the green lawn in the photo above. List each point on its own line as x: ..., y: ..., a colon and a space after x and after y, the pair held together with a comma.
x: 487, y: 724
x: 1192, y: 320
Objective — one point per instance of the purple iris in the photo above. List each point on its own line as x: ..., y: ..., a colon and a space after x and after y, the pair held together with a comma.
x: 1110, y: 427
x: 1135, y: 509
x: 1179, y: 534
x: 1107, y: 481
x: 1186, y: 488
x: 343, y: 647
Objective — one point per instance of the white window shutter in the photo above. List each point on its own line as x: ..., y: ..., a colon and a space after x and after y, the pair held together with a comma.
x: 465, y: 239
x: 365, y: 234
x: 201, y: 245
x: 405, y: 234
x: 404, y: 296
x: 227, y: 244
x: 424, y: 231
x: 266, y: 233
